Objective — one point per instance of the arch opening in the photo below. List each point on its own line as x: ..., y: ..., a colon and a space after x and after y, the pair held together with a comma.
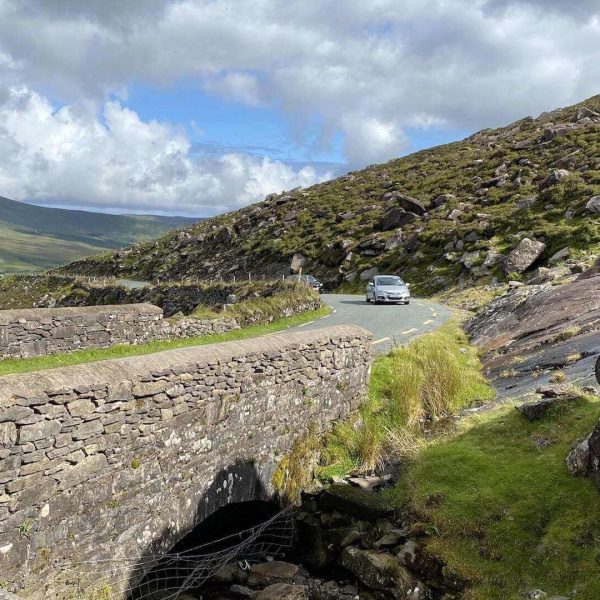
x: 240, y: 533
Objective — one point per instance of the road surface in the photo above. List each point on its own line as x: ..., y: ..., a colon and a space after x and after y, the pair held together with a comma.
x: 391, y: 324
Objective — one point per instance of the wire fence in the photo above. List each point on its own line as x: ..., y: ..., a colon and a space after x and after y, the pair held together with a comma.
x: 170, y: 575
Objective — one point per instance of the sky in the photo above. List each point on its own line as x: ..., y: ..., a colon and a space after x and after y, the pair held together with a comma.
x: 197, y: 107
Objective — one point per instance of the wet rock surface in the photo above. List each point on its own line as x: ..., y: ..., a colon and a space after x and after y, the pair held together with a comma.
x: 534, y: 330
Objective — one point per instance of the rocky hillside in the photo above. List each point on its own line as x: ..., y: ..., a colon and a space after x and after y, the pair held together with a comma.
x: 494, y: 205
x: 33, y: 238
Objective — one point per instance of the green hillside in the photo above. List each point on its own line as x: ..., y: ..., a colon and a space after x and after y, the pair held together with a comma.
x: 444, y: 216
x: 35, y: 237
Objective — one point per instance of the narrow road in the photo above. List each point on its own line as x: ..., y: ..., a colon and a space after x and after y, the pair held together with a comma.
x: 391, y: 324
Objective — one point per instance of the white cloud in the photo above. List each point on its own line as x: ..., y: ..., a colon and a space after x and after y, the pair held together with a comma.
x: 122, y: 162
x: 369, y: 70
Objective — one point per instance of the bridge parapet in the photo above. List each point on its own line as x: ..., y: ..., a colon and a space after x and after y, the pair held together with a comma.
x: 113, y: 460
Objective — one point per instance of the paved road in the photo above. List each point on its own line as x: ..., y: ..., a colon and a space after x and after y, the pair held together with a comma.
x: 391, y: 324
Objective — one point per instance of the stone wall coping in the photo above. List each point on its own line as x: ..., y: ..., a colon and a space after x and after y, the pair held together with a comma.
x: 133, y: 367
x: 36, y: 314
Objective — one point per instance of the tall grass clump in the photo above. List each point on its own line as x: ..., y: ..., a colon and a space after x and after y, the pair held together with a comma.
x: 433, y: 377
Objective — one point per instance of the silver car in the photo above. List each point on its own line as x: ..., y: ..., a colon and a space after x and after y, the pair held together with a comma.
x: 388, y: 288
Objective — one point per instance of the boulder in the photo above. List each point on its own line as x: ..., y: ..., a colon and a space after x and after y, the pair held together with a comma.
x: 455, y: 215
x: 298, y: 261
x: 534, y: 411
x: 378, y: 571
x: 269, y: 573
x: 593, y: 205
x: 411, y: 205
x: 591, y: 272
x: 525, y: 203
x: 470, y: 259
x: 554, y: 178
x: 544, y: 275
x: 345, y: 216
x: 442, y: 199
x: 355, y: 501
x: 561, y: 255
x: 555, y: 131
x: 397, y: 217
x: 523, y: 256
x: 368, y: 273
x: 283, y: 591
x: 394, y: 241
x: 492, y: 259
x: 223, y: 235
x: 587, y: 113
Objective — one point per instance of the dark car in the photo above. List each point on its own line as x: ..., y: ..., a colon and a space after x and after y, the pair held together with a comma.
x: 313, y: 282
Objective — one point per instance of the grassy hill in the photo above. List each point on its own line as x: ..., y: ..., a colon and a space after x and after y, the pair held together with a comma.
x: 35, y: 237
x: 444, y: 216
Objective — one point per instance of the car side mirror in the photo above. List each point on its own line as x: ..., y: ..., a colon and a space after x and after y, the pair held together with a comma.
x: 407, y: 285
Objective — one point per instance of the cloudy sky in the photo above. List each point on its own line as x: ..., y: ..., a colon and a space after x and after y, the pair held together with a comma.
x: 200, y: 106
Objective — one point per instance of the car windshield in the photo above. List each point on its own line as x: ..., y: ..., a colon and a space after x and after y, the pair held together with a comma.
x: 310, y: 278
x: 389, y: 281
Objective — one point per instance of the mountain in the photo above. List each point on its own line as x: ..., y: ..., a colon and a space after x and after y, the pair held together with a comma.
x: 491, y: 207
x: 36, y: 237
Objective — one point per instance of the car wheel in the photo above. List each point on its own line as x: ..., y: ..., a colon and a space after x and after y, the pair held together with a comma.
x: 407, y: 302
x: 367, y: 299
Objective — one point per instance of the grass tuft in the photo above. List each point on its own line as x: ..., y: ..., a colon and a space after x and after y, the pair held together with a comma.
x: 432, y: 378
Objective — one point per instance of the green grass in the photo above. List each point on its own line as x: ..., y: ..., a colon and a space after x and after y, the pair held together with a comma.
x: 431, y: 378
x: 9, y: 366
x: 264, y: 309
x: 507, y: 515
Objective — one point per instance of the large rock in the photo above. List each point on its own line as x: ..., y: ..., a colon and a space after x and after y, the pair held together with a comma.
x: 593, y: 205
x: 397, y: 217
x: 283, y: 591
x: 530, y: 316
x: 554, y: 178
x: 378, y: 571
x: 411, y: 205
x: 591, y: 272
x: 368, y: 273
x: 298, y: 262
x: 584, y: 459
x: 359, y: 503
x: 523, y: 256
x: 269, y: 573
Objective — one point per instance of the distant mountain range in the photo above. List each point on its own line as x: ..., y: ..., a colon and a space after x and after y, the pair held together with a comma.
x: 35, y: 237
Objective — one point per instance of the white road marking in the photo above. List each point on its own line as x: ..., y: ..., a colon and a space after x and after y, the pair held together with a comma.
x: 420, y: 304
x: 428, y: 321
x: 305, y: 324
x: 385, y: 339
x: 409, y: 331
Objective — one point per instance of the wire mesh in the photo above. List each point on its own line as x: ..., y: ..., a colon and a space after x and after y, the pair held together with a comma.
x: 168, y: 576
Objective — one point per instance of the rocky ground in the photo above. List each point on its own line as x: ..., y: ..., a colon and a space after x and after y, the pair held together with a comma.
x: 349, y: 546
x: 537, y: 334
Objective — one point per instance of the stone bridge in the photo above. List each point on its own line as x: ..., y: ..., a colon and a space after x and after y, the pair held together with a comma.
x: 106, y: 463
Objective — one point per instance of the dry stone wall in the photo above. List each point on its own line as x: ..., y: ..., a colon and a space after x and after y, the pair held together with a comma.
x: 105, y: 465
x: 42, y: 331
